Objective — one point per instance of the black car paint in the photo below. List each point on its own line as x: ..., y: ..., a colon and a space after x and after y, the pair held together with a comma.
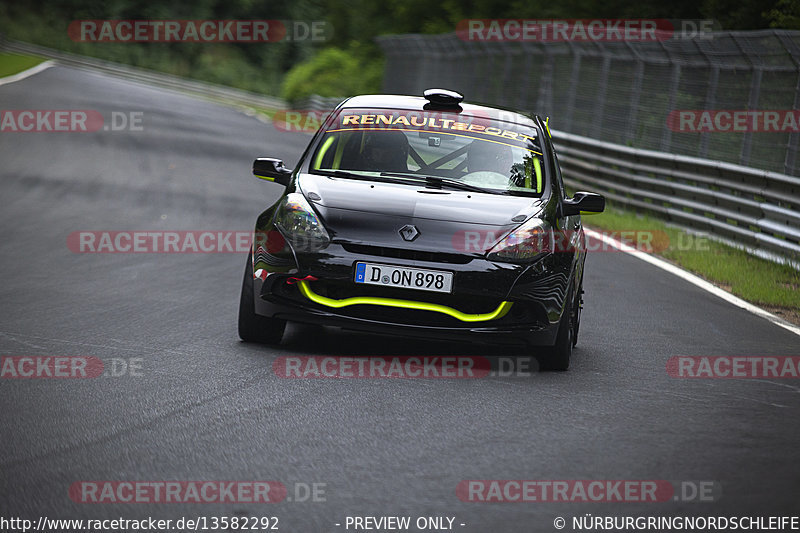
x: 362, y: 213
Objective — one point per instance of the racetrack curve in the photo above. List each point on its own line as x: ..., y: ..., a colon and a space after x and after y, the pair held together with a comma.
x: 209, y: 407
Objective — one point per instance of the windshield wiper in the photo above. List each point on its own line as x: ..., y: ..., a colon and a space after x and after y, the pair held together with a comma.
x: 438, y: 182
x: 431, y: 181
x: 353, y: 175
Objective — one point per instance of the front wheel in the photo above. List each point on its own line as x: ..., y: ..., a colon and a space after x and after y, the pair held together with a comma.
x: 253, y: 327
x: 577, y: 318
x: 557, y: 357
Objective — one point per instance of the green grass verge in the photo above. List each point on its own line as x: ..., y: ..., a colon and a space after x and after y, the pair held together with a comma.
x: 257, y: 68
x: 751, y: 278
x: 269, y: 113
x: 14, y: 63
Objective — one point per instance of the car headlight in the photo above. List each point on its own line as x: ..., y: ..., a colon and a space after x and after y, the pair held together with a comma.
x: 528, y: 241
x: 298, y: 222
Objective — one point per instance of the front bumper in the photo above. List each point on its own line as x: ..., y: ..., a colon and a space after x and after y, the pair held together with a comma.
x: 493, y: 302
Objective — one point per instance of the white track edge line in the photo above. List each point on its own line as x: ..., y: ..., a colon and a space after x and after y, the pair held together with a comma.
x: 695, y: 280
x: 27, y: 73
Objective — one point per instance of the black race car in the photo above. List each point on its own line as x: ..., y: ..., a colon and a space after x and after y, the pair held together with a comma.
x: 427, y: 217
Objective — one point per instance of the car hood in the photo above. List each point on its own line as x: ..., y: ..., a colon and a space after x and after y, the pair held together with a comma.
x: 372, y: 213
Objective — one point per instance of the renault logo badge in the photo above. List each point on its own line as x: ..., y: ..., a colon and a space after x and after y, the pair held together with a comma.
x: 409, y: 232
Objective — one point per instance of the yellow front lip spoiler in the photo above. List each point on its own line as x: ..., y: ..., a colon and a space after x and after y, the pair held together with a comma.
x: 500, y: 312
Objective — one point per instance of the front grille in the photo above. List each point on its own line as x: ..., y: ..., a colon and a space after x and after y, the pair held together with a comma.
x: 405, y: 253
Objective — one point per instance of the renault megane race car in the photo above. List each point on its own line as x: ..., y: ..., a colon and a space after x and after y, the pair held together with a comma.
x: 427, y: 217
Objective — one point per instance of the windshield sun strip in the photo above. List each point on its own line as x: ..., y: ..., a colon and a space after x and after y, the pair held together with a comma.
x: 438, y: 133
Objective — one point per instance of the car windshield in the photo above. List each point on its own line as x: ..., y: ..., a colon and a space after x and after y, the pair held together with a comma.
x: 444, y: 148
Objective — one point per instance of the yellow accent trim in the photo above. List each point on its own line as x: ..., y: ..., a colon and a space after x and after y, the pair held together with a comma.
x: 538, y: 168
x: 547, y: 125
x: 337, y: 158
x: 321, y: 154
x: 265, y: 177
x: 500, y: 312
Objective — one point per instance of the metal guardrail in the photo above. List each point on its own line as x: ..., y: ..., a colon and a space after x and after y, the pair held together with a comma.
x: 623, y: 91
x: 757, y: 209
x: 150, y: 77
x: 318, y: 103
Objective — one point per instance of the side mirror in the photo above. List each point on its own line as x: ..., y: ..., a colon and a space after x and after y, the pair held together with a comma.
x: 270, y: 169
x: 583, y: 202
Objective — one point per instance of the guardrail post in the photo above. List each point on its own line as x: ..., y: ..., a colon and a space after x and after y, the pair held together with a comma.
x: 633, y: 110
x: 525, y: 82
x: 544, y: 104
x: 666, y: 137
x: 573, y: 86
x: 755, y: 93
x: 600, y: 102
x: 711, y: 102
x: 794, y: 138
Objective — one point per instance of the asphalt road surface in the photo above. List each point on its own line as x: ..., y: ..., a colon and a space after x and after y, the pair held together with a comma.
x: 204, y: 406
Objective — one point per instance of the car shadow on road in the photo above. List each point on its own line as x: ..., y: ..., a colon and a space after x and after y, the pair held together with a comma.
x: 322, y: 340
x: 303, y: 340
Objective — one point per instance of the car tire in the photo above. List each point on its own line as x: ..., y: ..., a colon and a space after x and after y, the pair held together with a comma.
x: 557, y: 357
x: 253, y: 327
x: 576, y: 324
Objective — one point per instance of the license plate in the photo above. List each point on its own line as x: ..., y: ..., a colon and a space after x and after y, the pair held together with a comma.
x: 404, y: 277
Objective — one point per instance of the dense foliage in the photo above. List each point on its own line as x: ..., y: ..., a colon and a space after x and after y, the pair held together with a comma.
x: 348, y: 60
